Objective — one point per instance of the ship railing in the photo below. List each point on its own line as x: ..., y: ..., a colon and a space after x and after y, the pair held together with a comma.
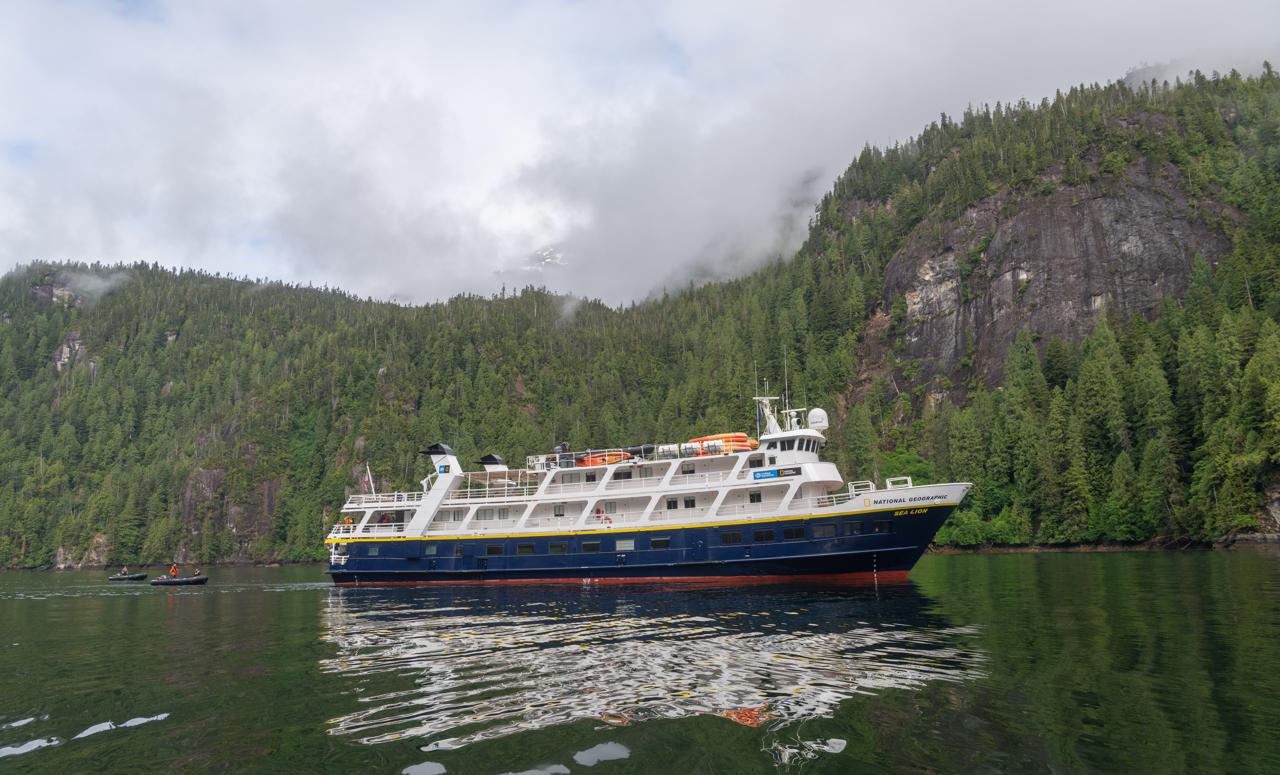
x: 509, y: 492
x: 744, y: 509
x: 385, y: 529
x: 857, y: 488
x: 659, y: 515
x: 897, y: 483
x: 383, y: 499
x: 710, y: 477
x: 632, y: 483
x: 821, y: 501
x: 571, y: 487
x: 339, y: 530
x: 493, y: 525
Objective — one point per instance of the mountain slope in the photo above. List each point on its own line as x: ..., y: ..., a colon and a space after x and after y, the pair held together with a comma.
x: 147, y: 415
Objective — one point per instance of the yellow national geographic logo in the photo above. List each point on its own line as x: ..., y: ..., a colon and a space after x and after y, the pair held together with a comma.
x: 866, y: 501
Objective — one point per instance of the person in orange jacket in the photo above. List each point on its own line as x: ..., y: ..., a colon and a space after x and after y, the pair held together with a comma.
x: 173, y: 570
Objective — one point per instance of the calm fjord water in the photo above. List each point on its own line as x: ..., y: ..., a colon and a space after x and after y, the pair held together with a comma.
x: 1007, y: 663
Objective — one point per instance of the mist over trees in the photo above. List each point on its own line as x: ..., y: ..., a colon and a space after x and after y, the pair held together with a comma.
x: 183, y: 414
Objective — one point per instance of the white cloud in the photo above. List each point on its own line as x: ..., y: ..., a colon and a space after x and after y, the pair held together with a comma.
x: 413, y: 151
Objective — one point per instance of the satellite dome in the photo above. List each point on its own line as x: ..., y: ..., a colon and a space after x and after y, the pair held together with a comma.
x: 818, y: 420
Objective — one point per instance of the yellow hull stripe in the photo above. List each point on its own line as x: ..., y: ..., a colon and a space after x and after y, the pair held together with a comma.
x: 645, y: 529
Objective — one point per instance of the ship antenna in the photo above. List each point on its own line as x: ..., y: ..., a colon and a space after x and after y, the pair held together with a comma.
x: 756, y: 371
x: 786, y: 381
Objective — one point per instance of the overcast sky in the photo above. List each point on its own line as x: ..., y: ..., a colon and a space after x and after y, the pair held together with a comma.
x: 412, y: 150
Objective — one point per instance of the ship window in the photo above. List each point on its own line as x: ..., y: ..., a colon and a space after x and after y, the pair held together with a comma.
x: 686, y: 468
x: 524, y: 548
x: 729, y: 539
x: 493, y: 550
x: 570, y: 478
x: 429, y: 549
x: 626, y: 544
x: 611, y: 507
x: 503, y: 512
x: 762, y: 535
x: 851, y: 529
x: 753, y: 496
x: 557, y: 510
x: 773, y: 460
x: 557, y: 547
x: 672, y: 504
x: 620, y: 474
x: 484, y: 514
x: 824, y: 531
x: 659, y: 543
x: 792, y: 533
x: 788, y: 445
x: 771, y: 445
x: 591, y: 477
x: 590, y: 547
x: 690, y: 502
x: 755, y: 461
x: 457, y: 550
x: 883, y: 526
x: 373, y: 551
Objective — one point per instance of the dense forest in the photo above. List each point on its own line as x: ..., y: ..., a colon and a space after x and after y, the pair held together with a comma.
x: 147, y: 414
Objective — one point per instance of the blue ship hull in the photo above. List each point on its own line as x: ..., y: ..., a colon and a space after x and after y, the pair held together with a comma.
x: 764, y: 550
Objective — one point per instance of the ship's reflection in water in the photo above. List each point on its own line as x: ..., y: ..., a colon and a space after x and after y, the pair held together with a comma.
x: 453, y: 666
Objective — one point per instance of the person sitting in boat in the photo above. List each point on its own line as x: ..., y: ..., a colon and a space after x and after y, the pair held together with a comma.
x: 173, y: 570
x: 197, y: 573
x: 124, y: 570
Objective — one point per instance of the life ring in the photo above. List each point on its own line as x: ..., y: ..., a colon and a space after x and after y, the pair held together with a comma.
x: 603, y: 517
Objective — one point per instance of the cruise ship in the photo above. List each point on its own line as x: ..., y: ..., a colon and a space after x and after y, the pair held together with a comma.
x: 725, y: 507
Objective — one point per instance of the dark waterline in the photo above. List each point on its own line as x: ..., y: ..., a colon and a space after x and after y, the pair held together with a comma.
x: 1012, y: 663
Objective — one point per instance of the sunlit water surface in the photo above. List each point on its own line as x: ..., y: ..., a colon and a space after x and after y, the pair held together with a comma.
x: 1050, y: 663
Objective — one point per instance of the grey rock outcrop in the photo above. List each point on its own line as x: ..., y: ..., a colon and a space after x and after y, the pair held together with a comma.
x: 1052, y: 263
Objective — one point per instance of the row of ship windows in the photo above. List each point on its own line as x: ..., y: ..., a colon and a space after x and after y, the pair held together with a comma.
x: 727, y: 538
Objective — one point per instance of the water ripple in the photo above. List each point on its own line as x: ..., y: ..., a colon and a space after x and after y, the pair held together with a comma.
x: 454, y: 668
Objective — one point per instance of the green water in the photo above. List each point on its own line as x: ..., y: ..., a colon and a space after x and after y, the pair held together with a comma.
x: 1011, y: 663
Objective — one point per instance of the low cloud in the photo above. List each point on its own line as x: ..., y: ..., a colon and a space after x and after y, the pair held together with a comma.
x: 411, y: 152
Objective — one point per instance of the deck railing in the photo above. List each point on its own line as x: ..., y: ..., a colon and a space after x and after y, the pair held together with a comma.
x: 384, y: 499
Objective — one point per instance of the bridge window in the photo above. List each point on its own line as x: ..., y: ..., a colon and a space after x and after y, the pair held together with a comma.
x: 771, y: 445
x: 792, y: 533
x: 590, y: 547
x: 659, y: 543
x: 625, y: 544
x: 753, y: 496
x: 761, y: 536
x: 788, y: 445
x: 557, y: 547
x: 524, y: 548
x: 493, y: 550
x: 824, y: 531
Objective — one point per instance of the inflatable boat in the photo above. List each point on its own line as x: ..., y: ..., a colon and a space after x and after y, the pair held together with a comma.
x: 179, y: 581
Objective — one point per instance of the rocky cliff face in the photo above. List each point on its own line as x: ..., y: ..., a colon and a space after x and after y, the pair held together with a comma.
x: 1051, y: 263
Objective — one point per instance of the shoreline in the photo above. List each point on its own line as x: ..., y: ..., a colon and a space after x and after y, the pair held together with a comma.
x: 1230, y: 542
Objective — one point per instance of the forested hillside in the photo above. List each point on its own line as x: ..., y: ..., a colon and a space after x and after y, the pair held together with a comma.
x: 147, y: 415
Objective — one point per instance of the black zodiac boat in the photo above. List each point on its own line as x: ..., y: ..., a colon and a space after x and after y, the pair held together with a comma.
x: 179, y: 581
x: 127, y: 577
